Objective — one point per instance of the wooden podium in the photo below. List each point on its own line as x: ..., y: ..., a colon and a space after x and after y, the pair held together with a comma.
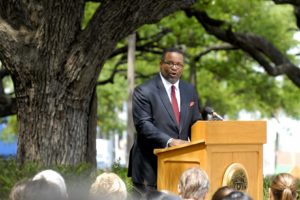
x: 215, y: 147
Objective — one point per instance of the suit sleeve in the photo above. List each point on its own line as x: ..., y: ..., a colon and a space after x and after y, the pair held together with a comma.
x: 143, y: 120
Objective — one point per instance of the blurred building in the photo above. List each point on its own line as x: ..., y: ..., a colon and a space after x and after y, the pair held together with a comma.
x: 110, y: 151
x: 281, y: 153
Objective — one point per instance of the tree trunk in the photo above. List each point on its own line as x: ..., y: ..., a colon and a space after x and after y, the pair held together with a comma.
x: 91, y: 137
x: 193, y: 73
x: 130, y: 79
x: 53, y: 126
x: 55, y: 65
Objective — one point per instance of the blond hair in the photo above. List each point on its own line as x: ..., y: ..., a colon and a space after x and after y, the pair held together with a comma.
x: 18, y: 190
x: 284, y: 187
x: 193, y: 184
x: 108, y: 186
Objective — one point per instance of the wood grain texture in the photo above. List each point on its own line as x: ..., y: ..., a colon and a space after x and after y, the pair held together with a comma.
x: 230, y: 132
x: 214, y: 152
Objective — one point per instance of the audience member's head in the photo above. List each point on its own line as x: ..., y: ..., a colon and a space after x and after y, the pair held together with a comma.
x: 41, y: 189
x: 222, y: 192
x: 108, y: 186
x: 193, y: 184
x: 283, y: 187
x: 17, y: 191
x: 52, y: 177
x: 237, y: 195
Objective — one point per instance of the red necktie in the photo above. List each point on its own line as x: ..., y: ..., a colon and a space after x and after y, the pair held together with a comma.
x: 175, y: 104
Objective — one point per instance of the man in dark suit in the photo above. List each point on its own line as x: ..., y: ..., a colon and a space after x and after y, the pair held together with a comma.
x: 164, y: 108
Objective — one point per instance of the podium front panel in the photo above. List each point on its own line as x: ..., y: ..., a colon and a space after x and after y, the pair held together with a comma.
x: 215, y: 147
x: 171, y: 164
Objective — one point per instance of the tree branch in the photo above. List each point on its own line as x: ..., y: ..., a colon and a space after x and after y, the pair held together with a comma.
x: 15, y: 15
x: 114, y: 72
x: 221, y: 47
x: 8, y: 106
x: 113, y: 21
x: 3, y: 73
x: 99, y: 1
x: 292, y: 2
x: 8, y: 34
x: 16, y: 25
x: 122, y: 61
x: 296, y: 4
x: 126, y: 16
x: 259, y: 48
x: 148, y: 46
x: 61, y: 22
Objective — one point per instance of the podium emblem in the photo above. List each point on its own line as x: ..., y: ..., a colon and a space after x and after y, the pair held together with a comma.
x: 236, y: 177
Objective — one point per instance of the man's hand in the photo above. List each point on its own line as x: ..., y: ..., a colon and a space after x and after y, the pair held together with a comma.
x: 176, y: 142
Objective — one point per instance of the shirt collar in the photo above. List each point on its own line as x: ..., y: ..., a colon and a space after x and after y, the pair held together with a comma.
x: 167, y: 84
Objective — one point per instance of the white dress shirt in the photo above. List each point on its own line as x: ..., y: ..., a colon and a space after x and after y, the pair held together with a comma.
x: 168, y: 86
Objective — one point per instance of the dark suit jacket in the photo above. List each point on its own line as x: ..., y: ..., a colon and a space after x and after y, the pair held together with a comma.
x: 155, y: 124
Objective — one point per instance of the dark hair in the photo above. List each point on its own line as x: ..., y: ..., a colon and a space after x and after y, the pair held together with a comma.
x: 237, y: 195
x: 172, y: 49
x: 158, y: 195
x: 222, y: 192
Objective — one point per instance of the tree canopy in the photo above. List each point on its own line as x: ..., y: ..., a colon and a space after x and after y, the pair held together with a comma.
x: 229, y: 77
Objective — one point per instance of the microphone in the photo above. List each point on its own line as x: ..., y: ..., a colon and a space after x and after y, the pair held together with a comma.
x: 215, y: 115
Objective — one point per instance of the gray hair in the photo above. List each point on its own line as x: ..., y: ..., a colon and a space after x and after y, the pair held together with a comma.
x: 52, y: 177
x: 193, y: 183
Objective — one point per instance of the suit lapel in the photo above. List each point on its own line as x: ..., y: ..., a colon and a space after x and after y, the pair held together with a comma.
x: 183, y: 104
x: 164, y: 98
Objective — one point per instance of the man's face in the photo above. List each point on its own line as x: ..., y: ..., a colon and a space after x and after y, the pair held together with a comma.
x: 171, y: 67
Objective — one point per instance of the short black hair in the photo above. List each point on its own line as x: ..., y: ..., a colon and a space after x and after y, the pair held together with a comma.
x: 159, y: 195
x: 237, y: 195
x: 172, y: 49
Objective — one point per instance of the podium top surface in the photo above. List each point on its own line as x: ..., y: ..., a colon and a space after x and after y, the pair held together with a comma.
x: 169, y: 149
x: 230, y: 132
